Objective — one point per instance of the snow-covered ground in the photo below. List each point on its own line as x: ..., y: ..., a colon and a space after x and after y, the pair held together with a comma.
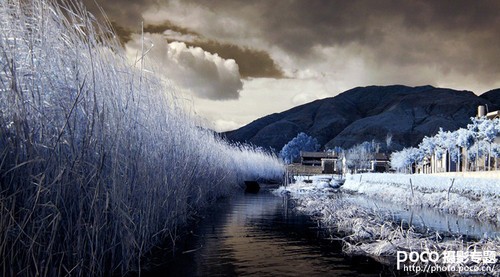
x: 372, y: 229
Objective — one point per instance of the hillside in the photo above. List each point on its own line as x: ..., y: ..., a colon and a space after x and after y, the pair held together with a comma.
x: 493, y: 96
x: 367, y: 113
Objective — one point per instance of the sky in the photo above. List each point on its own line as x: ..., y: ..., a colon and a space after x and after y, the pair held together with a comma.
x: 237, y: 60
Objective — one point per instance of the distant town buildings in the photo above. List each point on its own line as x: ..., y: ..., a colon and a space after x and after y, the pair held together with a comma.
x: 481, y: 153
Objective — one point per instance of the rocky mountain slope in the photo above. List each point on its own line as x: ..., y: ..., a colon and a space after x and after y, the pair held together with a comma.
x: 369, y: 113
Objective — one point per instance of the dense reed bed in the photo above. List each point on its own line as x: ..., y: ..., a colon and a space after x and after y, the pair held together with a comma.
x: 98, y: 162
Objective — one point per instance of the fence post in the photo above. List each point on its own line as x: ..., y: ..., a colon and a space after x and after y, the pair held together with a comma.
x: 449, y: 189
x: 411, y: 187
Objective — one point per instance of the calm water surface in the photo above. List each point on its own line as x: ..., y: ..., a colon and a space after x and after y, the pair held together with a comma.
x: 260, y: 235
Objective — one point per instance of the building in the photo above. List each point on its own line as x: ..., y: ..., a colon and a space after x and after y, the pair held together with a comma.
x: 440, y: 164
x: 333, y: 163
x: 328, y: 161
x: 380, y: 163
x: 483, y: 111
x: 314, y: 158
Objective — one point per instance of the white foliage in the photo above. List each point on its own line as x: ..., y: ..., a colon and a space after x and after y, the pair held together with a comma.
x: 477, y: 140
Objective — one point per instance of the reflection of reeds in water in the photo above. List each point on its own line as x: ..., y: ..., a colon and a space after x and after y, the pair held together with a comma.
x: 97, y: 161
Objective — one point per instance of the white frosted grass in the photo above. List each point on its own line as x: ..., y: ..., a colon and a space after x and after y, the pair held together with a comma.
x: 369, y: 231
x: 98, y: 163
x: 469, y: 197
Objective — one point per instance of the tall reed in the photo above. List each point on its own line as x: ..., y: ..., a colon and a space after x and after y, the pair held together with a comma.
x: 98, y: 163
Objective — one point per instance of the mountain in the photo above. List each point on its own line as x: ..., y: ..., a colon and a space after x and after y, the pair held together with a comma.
x: 493, y: 96
x: 369, y: 113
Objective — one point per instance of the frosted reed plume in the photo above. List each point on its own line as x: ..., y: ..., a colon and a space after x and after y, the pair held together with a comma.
x: 98, y: 163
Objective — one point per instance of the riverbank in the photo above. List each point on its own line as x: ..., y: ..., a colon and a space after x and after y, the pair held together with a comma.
x: 470, y: 197
x: 377, y: 232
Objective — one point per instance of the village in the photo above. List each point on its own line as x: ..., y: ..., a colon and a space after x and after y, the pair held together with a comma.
x: 436, y: 161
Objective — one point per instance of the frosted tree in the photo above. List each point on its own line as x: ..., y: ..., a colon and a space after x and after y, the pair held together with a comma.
x: 359, y: 157
x: 388, y: 141
x: 479, y: 135
x: 399, y: 160
x: 488, y: 132
x: 465, y: 140
x: 336, y: 149
x: 495, y: 152
x: 302, y: 142
x: 415, y: 156
x: 449, y: 143
x: 406, y: 159
x: 480, y: 150
x: 428, y: 146
x: 446, y: 145
x: 474, y: 128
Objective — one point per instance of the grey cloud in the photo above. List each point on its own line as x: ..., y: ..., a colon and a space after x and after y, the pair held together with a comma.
x: 126, y: 17
x: 205, y: 75
x: 252, y: 63
x: 461, y: 36
x: 453, y: 36
x: 126, y: 13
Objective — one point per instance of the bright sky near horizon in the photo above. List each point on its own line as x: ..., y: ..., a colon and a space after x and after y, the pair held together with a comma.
x: 239, y: 60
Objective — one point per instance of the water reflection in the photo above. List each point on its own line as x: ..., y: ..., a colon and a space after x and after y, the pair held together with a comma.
x: 261, y: 235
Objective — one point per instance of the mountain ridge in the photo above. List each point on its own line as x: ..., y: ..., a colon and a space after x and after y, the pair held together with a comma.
x: 369, y: 113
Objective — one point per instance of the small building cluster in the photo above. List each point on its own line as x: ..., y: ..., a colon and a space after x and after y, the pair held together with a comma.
x: 335, y: 163
x: 475, y: 148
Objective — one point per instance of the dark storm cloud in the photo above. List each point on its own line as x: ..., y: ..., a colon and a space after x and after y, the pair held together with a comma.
x: 453, y: 36
x: 126, y: 17
x: 298, y: 25
x: 125, y: 13
x: 167, y: 25
x: 458, y: 36
x: 252, y: 63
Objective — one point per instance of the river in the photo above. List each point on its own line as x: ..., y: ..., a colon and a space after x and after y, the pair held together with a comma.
x: 261, y: 235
